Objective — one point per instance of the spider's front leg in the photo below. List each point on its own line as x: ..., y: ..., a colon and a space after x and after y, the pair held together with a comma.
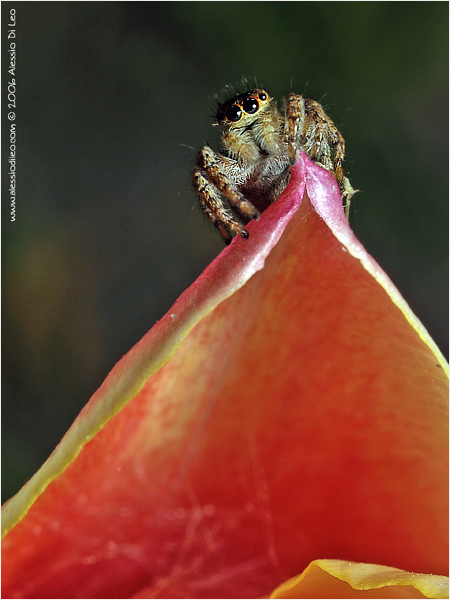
x: 215, y: 190
x: 310, y: 129
x: 295, y: 119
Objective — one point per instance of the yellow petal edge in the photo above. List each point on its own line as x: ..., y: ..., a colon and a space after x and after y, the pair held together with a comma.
x: 343, y: 579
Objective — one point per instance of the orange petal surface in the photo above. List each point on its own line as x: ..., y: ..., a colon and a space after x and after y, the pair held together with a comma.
x: 288, y: 406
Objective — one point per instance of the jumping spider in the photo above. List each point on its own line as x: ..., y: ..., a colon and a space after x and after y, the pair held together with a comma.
x: 260, y: 145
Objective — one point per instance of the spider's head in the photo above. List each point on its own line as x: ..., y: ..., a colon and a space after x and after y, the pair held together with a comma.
x: 251, y: 126
x: 243, y: 108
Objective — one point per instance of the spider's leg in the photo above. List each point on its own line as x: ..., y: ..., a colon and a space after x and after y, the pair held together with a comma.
x: 346, y: 192
x: 310, y: 129
x: 210, y: 163
x: 295, y: 117
x: 214, y: 208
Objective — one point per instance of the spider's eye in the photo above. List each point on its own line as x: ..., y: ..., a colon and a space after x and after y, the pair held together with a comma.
x: 250, y: 105
x: 262, y: 96
x: 233, y: 113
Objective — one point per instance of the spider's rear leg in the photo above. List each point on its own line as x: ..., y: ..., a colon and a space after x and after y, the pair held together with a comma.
x: 346, y: 193
x: 214, y: 208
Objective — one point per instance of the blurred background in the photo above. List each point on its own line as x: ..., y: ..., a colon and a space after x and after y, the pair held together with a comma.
x: 115, y: 99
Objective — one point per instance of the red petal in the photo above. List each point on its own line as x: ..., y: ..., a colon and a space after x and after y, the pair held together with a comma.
x: 290, y: 409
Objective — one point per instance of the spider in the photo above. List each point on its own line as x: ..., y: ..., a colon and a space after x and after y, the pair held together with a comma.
x: 260, y: 145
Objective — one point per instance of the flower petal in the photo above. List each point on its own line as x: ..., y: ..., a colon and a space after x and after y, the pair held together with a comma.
x: 285, y: 408
x: 226, y: 274
x: 341, y: 579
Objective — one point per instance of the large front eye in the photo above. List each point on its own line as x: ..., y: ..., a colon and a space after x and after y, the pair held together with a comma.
x: 250, y: 105
x: 233, y: 113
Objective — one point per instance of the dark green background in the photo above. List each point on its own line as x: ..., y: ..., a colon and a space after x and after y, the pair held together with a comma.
x: 114, y: 99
